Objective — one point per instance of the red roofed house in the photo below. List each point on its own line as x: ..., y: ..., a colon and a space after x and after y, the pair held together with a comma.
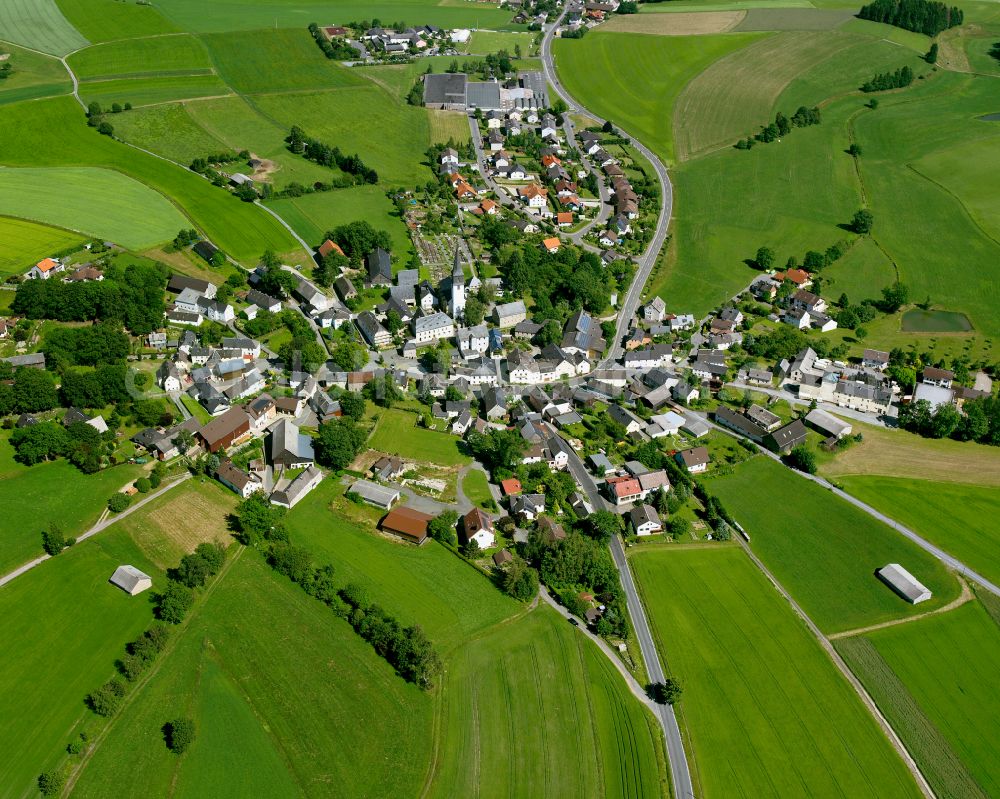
x: 551, y: 244
x: 623, y: 490
x: 564, y: 218
x: 464, y: 191
x: 328, y: 247
x: 797, y: 276
x: 534, y: 195
x: 510, y: 487
x: 549, y: 160
x: 407, y: 523
x: 334, y: 30
x: 44, y: 269
x: 488, y: 207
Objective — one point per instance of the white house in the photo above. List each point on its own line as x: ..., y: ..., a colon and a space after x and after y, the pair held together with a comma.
x: 645, y: 520
x: 478, y: 527
x: 433, y: 327
x: 44, y: 269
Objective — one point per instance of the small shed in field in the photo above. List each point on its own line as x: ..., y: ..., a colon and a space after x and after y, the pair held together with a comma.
x: 131, y: 580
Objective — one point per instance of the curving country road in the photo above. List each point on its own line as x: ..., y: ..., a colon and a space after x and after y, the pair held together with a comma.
x: 627, y: 307
x: 680, y: 773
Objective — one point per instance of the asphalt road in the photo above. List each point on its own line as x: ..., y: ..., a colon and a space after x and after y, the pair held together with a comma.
x: 680, y: 774
x: 630, y: 304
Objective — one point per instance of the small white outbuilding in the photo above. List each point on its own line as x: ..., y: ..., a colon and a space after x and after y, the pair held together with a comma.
x: 131, y: 580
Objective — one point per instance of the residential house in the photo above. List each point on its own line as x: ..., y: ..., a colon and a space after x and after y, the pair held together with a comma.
x: 509, y: 314
x: 645, y: 520
x: 432, y: 327
x: 376, y: 335
x: 786, y: 438
x: 527, y: 507
x: 44, y: 269
x: 478, y: 527
x: 695, y: 460
x: 623, y: 490
x: 875, y: 359
x: 739, y: 423
x: 379, y: 264
x: 932, y: 376
x: 303, y: 483
x: 238, y: 480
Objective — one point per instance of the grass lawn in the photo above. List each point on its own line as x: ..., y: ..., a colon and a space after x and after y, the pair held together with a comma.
x: 173, y: 55
x: 767, y: 712
x: 52, y: 133
x: 485, y: 42
x: 427, y: 585
x: 448, y: 126
x: 96, y: 202
x: 63, y: 625
x: 946, y: 664
x: 104, y: 20
x: 825, y: 551
x: 476, y: 488
x: 309, y: 701
x: 959, y: 518
x: 896, y: 453
x: 196, y: 409
x: 25, y: 243
x: 34, y: 75
x: 34, y: 496
x: 397, y: 433
x: 40, y: 25
x: 635, y: 81
x: 536, y: 696
x: 313, y: 214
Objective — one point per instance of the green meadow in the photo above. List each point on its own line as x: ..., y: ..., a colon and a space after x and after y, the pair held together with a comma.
x: 34, y: 76
x: 959, y: 518
x: 35, y: 496
x: 174, y: 55
x: 152, y: 90
x: 823, y: 550
x: 26, y: 243
x: 107, y: 20
x: 169, y: 131
x: 767, y: 712
x: 476, y: 487
x: 51, y: 133
x: 96, y: 202
x: 64, y: 625
x: 536, y: 696
x: 635, y: 81
x: 309, y: 702
x: 313, y: 214
x: 947, y: 664
x: 397, y: 433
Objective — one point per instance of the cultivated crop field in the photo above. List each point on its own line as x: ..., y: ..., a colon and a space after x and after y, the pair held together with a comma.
x: 25, y: 243
x: 151, y: 91
x: 40, y: 25
x: 536, y: 696
x: 258, y: 679
x: 680, y: 24
x: 767, y: 712
x: 397, y: 433
x: 948, y: 663
x: 96, y: 202
x: 959, y: 518
x: 427, y: 584
x: 51, y: 133
x: 825, y: 551
x: 63, y: 625
x: 603, y: 71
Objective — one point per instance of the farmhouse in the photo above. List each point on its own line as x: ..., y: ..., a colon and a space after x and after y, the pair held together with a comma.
x: 289, y: 447
x: 230, y: 428
x: 298, y: 488
x: 131, y: 580
x: 407, y: 523
x: 44, y: 269
x: 904, y: 583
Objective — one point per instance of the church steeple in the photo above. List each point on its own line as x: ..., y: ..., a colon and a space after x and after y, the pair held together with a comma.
x: 457, y: 275
x: 457, y: 286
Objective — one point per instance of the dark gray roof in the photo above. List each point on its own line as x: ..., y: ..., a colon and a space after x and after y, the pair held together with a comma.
x: 445, y: 89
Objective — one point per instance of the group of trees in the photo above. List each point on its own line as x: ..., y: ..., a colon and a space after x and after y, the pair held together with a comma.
x: 407, y: 649
x: 994, y: 50
x: 130, y: 295
x: 814, y: 261
x: 923, y: 16
x: 324, y: 155
x: 31, y: 391
x: 6, y: 68
x: 340, y: 440
x: 336, y: 48
x: 257, y: 521
x: 54, y: 540
x: 980, y: 421
x: 499, y: 450
x: 781, y: 127
x: 96, y: 116
x: 196, y: 568
x: 359, y: 238
x: 883, y: 81
x: 79, y: 443
x: 139, y: 656
x: 498, y: 65
x: 85, y: 346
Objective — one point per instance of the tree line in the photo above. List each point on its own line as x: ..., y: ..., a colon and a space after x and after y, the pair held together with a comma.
x: 325, y: 155
x: 980, y: 421
x: 884, y: 81
x: 928, y: 17
x: 781, y: 127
